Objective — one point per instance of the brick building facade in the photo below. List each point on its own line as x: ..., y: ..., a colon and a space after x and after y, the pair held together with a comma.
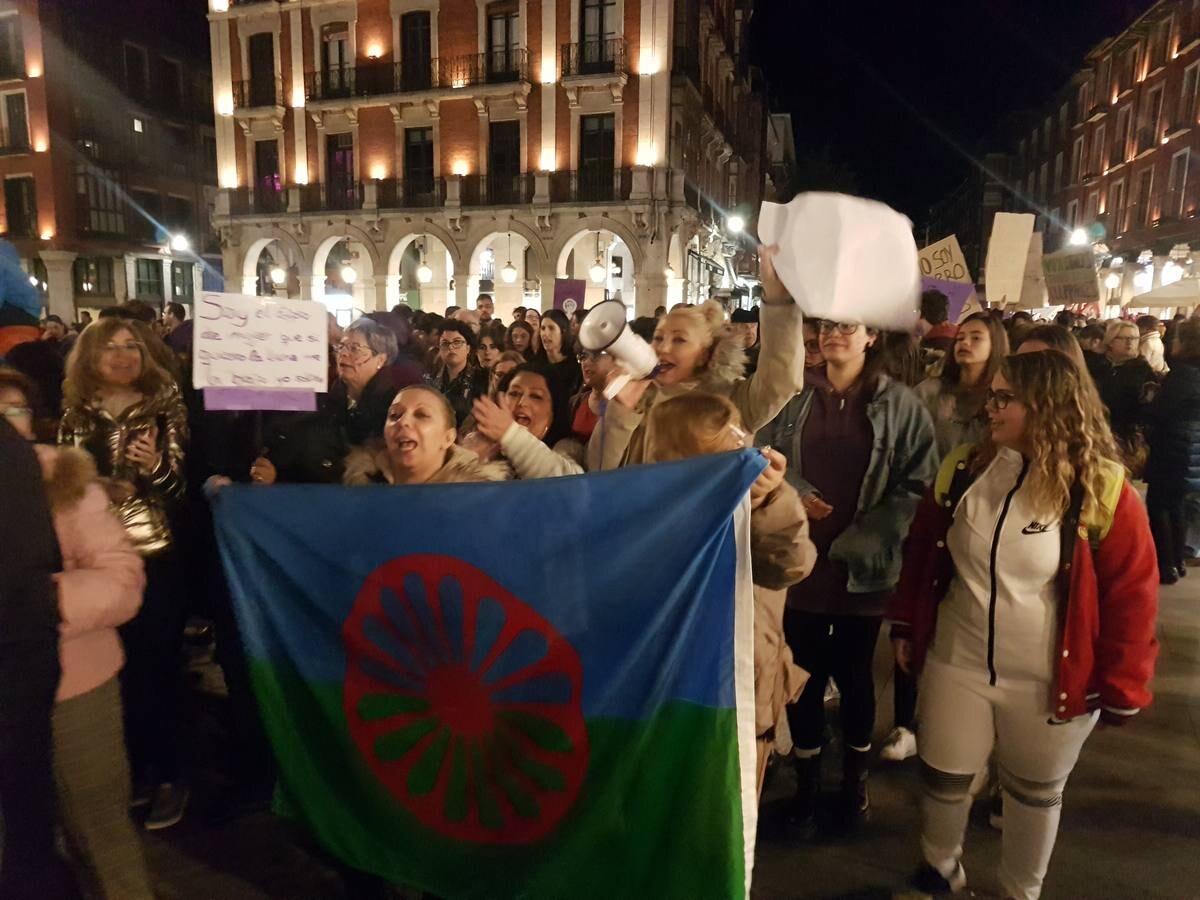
x: 378, y: 150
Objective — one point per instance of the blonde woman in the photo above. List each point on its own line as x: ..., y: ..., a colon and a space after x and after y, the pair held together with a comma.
x: 125, y: 410
x: 698, y: 351
x: 1022, y: 543
x: 1121, y: 379
x: 696, y: 424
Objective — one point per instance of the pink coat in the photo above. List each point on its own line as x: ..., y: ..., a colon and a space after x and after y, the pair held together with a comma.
x: 102, y: 580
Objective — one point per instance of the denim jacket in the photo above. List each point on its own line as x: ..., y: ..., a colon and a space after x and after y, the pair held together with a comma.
x: 904, y: 460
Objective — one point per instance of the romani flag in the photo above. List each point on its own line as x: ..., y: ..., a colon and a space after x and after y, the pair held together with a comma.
x: 538, y: 689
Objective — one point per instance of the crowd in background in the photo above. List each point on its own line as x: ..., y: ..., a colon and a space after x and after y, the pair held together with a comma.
x: 864, y: 433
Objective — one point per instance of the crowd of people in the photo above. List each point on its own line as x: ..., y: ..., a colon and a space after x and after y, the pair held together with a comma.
x: 968, y: 484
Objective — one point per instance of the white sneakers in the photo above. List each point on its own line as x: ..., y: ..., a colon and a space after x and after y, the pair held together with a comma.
x: 899, y: 746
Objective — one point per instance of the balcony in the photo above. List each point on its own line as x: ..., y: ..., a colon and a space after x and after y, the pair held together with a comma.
x: 246, y: 201
x: 589, y: 58
x: 410, y: 193
x: 507, y: 66
x: 258, y: 92
x: 497, y: 190
x: 447, y: 73
x: 13, y: 142
x: 591, y: 186
x: 331, y: 197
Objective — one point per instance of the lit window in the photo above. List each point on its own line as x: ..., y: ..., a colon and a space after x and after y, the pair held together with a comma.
x: 138, y: 126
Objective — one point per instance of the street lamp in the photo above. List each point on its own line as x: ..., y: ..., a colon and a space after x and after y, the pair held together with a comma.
x: 278, y: 276
x: 424, y: 273
x: 598, y: 271
x: 735, y: 224
x: 509, y: 273
x: 1079, y: 238
x: 349, y: 276
x: 1113, y: 281
x: 180, y: 243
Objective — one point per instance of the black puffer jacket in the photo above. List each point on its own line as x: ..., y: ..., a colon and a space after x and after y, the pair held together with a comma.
x: 1174, y: 430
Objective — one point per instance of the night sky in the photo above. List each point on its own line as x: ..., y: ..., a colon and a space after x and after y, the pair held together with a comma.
x: 871, y: 84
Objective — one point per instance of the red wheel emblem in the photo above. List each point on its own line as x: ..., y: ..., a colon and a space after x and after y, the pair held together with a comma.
x: 464, y: 701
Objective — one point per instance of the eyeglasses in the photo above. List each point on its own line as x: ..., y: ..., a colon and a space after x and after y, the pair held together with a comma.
x: 827, y: 327
x: 812, y: 346
x: 127, y: 347
x: 348, y: 348
x: 589, y: 355
x: 1126, y: 338
x: 999, y: 400
x: 453, y: 345
x: 17, y: 412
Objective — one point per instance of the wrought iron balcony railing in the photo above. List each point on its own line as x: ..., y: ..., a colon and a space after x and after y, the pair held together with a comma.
x: 600, y: 57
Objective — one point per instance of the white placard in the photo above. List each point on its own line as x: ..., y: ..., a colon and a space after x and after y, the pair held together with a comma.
x: 1071, y: 276
x: 944, y: 259
x: 846, y: 259
x: 1007, y: 256
x: 260, y: 343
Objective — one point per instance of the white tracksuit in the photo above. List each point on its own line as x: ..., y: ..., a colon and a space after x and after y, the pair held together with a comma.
x: 987, y: 679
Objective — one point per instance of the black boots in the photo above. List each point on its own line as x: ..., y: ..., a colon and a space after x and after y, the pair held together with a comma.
x: 855, y: 801
x: 802, y: 817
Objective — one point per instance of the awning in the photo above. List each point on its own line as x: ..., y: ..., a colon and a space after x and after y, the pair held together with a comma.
x: 1184, y: 292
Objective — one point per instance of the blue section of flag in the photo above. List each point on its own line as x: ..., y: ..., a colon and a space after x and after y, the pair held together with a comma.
x: 582, y: 551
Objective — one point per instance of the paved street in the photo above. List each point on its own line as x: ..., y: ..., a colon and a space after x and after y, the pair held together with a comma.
x: 1131, y: 823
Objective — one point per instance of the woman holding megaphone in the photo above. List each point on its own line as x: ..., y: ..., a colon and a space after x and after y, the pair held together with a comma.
x: 695, y: 350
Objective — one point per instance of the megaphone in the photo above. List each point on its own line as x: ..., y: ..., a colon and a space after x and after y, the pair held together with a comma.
x: 605, y: 330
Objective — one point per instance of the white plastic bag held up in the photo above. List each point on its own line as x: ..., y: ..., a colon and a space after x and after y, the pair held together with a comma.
x: 846, y: 259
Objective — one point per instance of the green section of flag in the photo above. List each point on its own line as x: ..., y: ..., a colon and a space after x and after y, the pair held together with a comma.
x: 658, y: 816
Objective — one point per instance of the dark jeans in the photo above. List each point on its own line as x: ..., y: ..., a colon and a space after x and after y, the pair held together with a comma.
x: 30, y: 868
x: 841, y: 646
x: 153, y: 641
x: 905, y: 699
x: 1168, y: 524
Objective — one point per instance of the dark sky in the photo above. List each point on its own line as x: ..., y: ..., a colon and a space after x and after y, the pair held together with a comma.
x: 874, y: 82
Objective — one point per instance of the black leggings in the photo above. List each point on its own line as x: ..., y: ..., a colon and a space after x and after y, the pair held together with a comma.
x: 1168, y: 524
x: 841, y: 646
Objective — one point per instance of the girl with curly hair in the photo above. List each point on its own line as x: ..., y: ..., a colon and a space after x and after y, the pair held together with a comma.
x: 1025, y: 538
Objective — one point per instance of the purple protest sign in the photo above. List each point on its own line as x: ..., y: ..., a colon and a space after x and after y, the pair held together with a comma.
x: 569, y: 294
x: 957, y: 292
x: 253, y: 398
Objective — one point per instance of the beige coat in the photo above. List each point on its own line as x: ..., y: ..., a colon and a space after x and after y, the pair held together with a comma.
x: 621, y: 437
x: 370, y: 464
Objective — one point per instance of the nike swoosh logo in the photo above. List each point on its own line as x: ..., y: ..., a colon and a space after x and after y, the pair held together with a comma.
x: 1035, y: 528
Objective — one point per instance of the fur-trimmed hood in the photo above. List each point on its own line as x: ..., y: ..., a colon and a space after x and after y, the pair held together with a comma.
x: 726, y: 365
x: 67, y: 473
x: 370, y: 464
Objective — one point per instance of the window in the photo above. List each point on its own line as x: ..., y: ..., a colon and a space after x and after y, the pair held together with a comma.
x: 1093, y: 207
x: 1083, y: 101
x: 1072, y: 213
x: 183, y: 283
x: 179, y: 216
x: 341, y: 192
x: 504, y: 161
x: 1062, y: 122
x: 1139, y: 210
x: 416, y: 51
x: 1076, y: 160
x: 1120, y: 150
x: 1047, y: 127
x: 1116, y: 207
x: 597, y: 150
x: 1021, y: 152
x: 14, y: 133
x: 1043, y: 177
x: 1030, y: 184
x: 502, y: 39
x: 1058, y: 172
x: 138, y: 125
x: 1187, y: 96
x: 137, y: 72
x: 170, y: 85
x: 98, y: 198
x: 12, y: 48
x: 268, y: 181
x: 337, y: 66
x: 20, y: 206
x: 1160, y: 42
x: 149, y: 279
x: 94, y: 276
x: 1129, y: 68
x: 1104, y: 80
x: 1099, y: 159
x: 145, y: 211
x: 1152, y: 116
x: 1176, y: 184
x: 597, y: 29
x: 262, y: 70
x: 418, y: 167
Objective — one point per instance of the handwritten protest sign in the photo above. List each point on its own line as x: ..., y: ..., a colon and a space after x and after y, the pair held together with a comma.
x: 1071, y: 276
x: 944, y: 260
x: 1007, y: 257
x: 259, y: 343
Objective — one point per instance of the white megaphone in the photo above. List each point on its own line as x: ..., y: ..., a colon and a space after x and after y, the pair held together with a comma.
x: 605, y: 330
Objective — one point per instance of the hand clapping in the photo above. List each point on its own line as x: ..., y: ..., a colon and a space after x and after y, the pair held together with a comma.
x: 143, y: 451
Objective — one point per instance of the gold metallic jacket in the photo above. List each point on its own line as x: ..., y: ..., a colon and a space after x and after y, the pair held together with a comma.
x: 145, y: 515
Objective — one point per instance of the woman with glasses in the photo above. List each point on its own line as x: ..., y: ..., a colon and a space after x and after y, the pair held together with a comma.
x: 459, y: 377
x: 697, y: 350
x: 586, y: 405
x: 1122, y: 378
x: 520, y: 339
x: 1028, y: 603
x: 126, y: 411
x: 364, y: 388
x: 529, y: 425
x: 99, y: 589
x: 860, y: 450
x: 558, y: 350
x: 812, y: 345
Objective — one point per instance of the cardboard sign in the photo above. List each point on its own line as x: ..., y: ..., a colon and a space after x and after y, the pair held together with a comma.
x: 944, y: 260
x: 1007, y: 258
x: 1071, y: 276
x: 569, y: 294
x: 259, y: 343
x: 1033, y: 285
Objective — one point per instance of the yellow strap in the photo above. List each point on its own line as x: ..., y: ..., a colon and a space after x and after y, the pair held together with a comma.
x: 955, y: 460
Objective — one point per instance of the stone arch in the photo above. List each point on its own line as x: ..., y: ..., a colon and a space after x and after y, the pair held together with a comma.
x: 345, y: 232
x: 591, y: 225
x: 541, y: 261
x: 427, y: 229
x: 443, y: 257
x: 292, y: 253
